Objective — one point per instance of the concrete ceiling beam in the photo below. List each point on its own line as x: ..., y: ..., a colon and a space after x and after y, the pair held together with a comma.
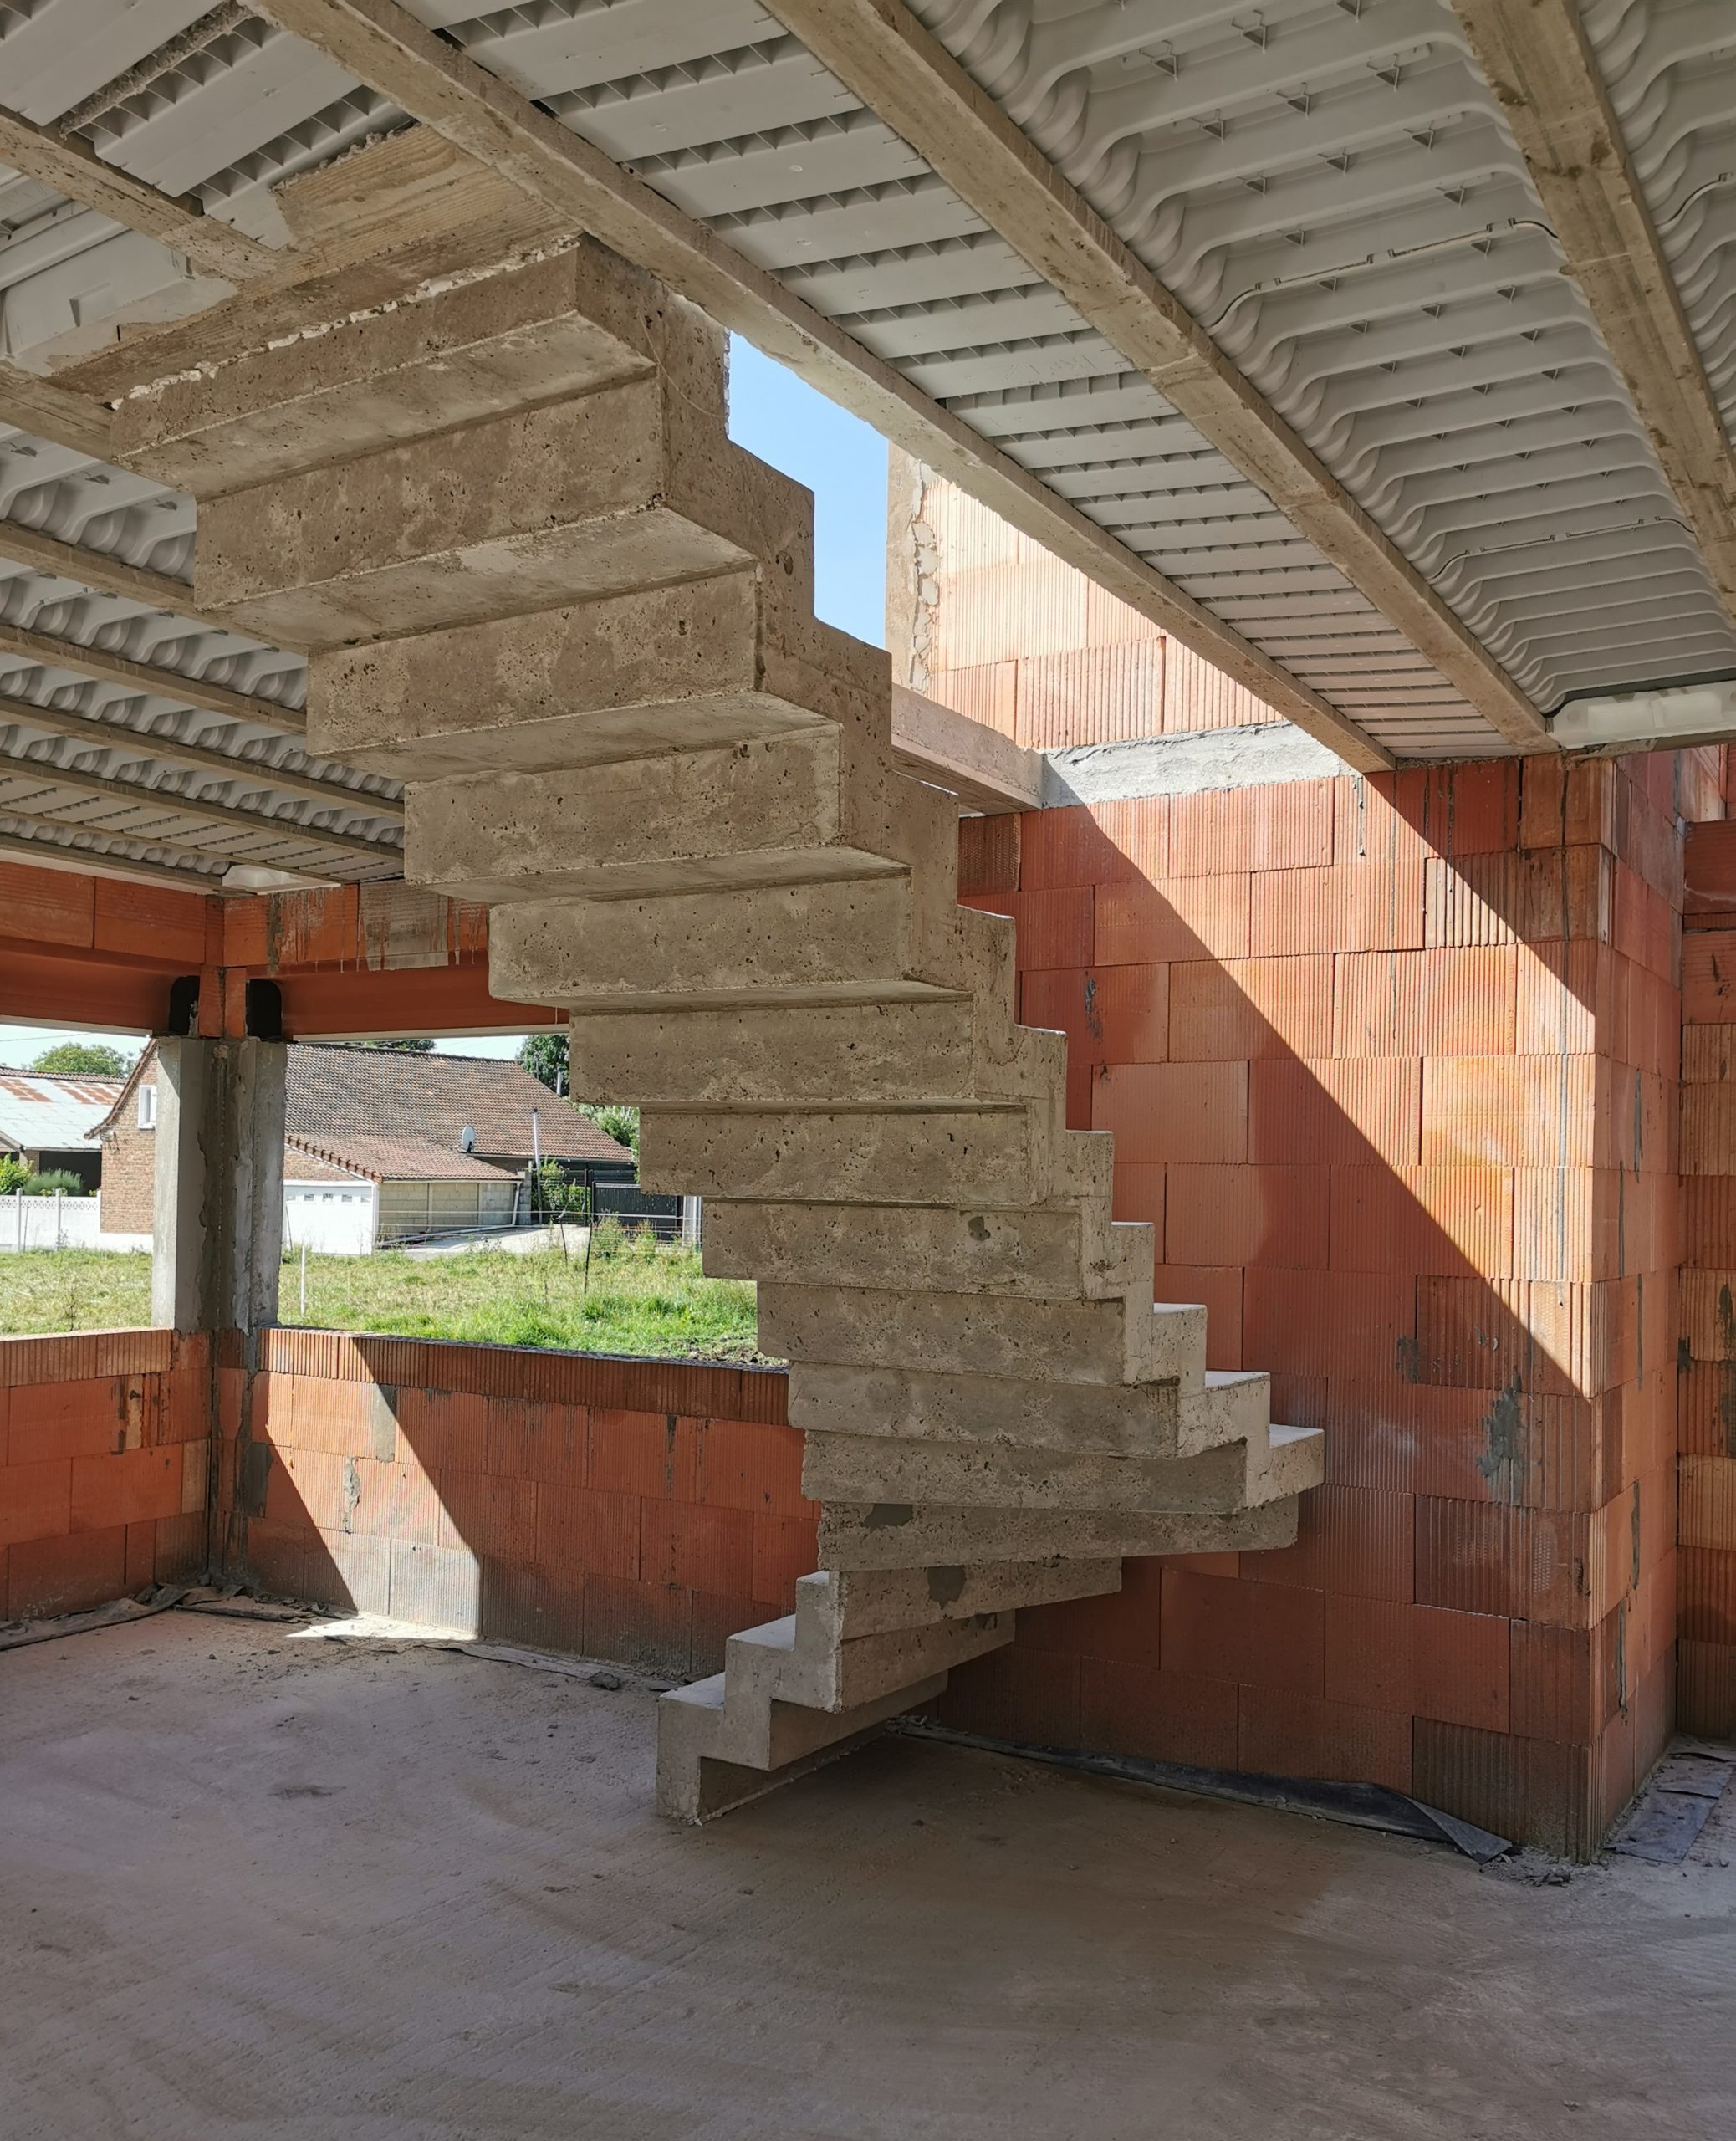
x: 903, y: 73
x: 81, y: 860
x: 59, y: 721
x: 987, y: 772
x: 1546, y: 79
x: 229, y: 815
x: 487, y: 118
x: 72, y: 167
x: 47, y: 652
x: 46, y: 554
x: 46, y: 411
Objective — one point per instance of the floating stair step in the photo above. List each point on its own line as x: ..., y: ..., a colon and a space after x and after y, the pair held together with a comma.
x: 974, y: 1156
x: 784, y: 810
x: 1108, y: 1420
x: 869, y: 939
x: 1043, y: 1254
x: 871, y: 1535
x: 704, y: 663
x: 1118, y: 1340
x: 869, y: 1601
x: 803, y: 1660
x: 1233, y: 1406
x: 696, y: 1782
x: 893, y: 1055
x: 556, y: 504
x: 877, y: 1467
x: 538, y: 331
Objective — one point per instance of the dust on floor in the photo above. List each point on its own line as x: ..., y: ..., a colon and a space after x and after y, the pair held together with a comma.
x: 256, y: 1884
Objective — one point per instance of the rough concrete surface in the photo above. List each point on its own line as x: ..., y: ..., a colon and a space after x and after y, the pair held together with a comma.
x: 258, y: 1885
x: 1185, y: 765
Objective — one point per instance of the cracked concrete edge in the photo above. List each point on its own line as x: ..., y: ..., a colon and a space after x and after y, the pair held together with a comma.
x: 1263, y: 755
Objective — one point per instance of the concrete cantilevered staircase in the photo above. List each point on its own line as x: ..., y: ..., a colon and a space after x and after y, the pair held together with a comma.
x: 539, y: 585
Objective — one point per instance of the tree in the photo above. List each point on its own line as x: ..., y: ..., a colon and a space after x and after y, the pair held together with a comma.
x: 615, y: 1119
x: 398, y: 1047
x: 545, y: 1056
x: 82, y: 1059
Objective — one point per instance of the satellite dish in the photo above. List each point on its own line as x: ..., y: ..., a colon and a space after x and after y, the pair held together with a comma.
x: 466, y: 1139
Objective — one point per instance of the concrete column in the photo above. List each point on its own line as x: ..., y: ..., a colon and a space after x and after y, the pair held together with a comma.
x: 219, y: 1220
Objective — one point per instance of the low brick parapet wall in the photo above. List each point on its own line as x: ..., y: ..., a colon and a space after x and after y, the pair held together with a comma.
x: 104, y: 1447
x: 633, y: 1510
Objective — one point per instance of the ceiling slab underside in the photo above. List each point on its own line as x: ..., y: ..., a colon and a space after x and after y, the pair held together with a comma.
x: 1327, y: 186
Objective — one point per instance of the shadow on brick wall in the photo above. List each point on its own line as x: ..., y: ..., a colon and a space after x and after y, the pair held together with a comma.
x: 634, y: 1511
x: 1390, y: 1065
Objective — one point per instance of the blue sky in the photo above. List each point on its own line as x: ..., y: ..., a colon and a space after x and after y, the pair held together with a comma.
x: 841, y: 460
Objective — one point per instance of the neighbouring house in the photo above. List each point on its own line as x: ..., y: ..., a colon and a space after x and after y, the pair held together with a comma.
x: 49, y: 1124
x: 382, y: 1147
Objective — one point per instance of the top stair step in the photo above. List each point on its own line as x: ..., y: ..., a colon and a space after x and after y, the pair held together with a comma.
x: 616, y: 490
x: 538, y: 331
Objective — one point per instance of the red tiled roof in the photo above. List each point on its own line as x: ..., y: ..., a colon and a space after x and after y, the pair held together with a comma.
x: 337, y: 1092
x: 40, y: 1111
x: 399, y: 1159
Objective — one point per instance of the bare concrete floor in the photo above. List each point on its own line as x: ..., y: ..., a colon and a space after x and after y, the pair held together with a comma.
x: 259, y: 1886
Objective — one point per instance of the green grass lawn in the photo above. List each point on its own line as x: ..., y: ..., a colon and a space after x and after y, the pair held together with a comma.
x: 641, y: 1297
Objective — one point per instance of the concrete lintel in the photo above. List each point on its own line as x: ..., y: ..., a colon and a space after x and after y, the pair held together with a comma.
x: 1184, y: 765
x: 987, y: 771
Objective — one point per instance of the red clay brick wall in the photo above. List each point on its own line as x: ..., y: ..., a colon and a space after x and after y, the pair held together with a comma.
x: 637, y: 1510
x: 1002, y: 632
x: 128, y: 1191
x: 1392, y: 1065
x: 104, y: 1443
x: 1706, y: 1595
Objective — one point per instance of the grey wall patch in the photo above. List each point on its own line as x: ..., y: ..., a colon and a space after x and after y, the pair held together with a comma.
x: 1504, y: 1429
x: 254, y: 1469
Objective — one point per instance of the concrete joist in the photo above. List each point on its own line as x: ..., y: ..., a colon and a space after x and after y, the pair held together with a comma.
x: 114, y: 736
x: 1537, y: 62
x: 148, y: 680
x: 174, y: 803
x: 59, y: 845
x: 108, y: 575
x: 47, y: 411
x: 72, y: 167
x: 906, y: 76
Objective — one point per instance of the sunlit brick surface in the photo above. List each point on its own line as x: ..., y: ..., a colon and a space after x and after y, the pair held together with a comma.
x: 1006, y: 633
x: 1399, y: 1092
